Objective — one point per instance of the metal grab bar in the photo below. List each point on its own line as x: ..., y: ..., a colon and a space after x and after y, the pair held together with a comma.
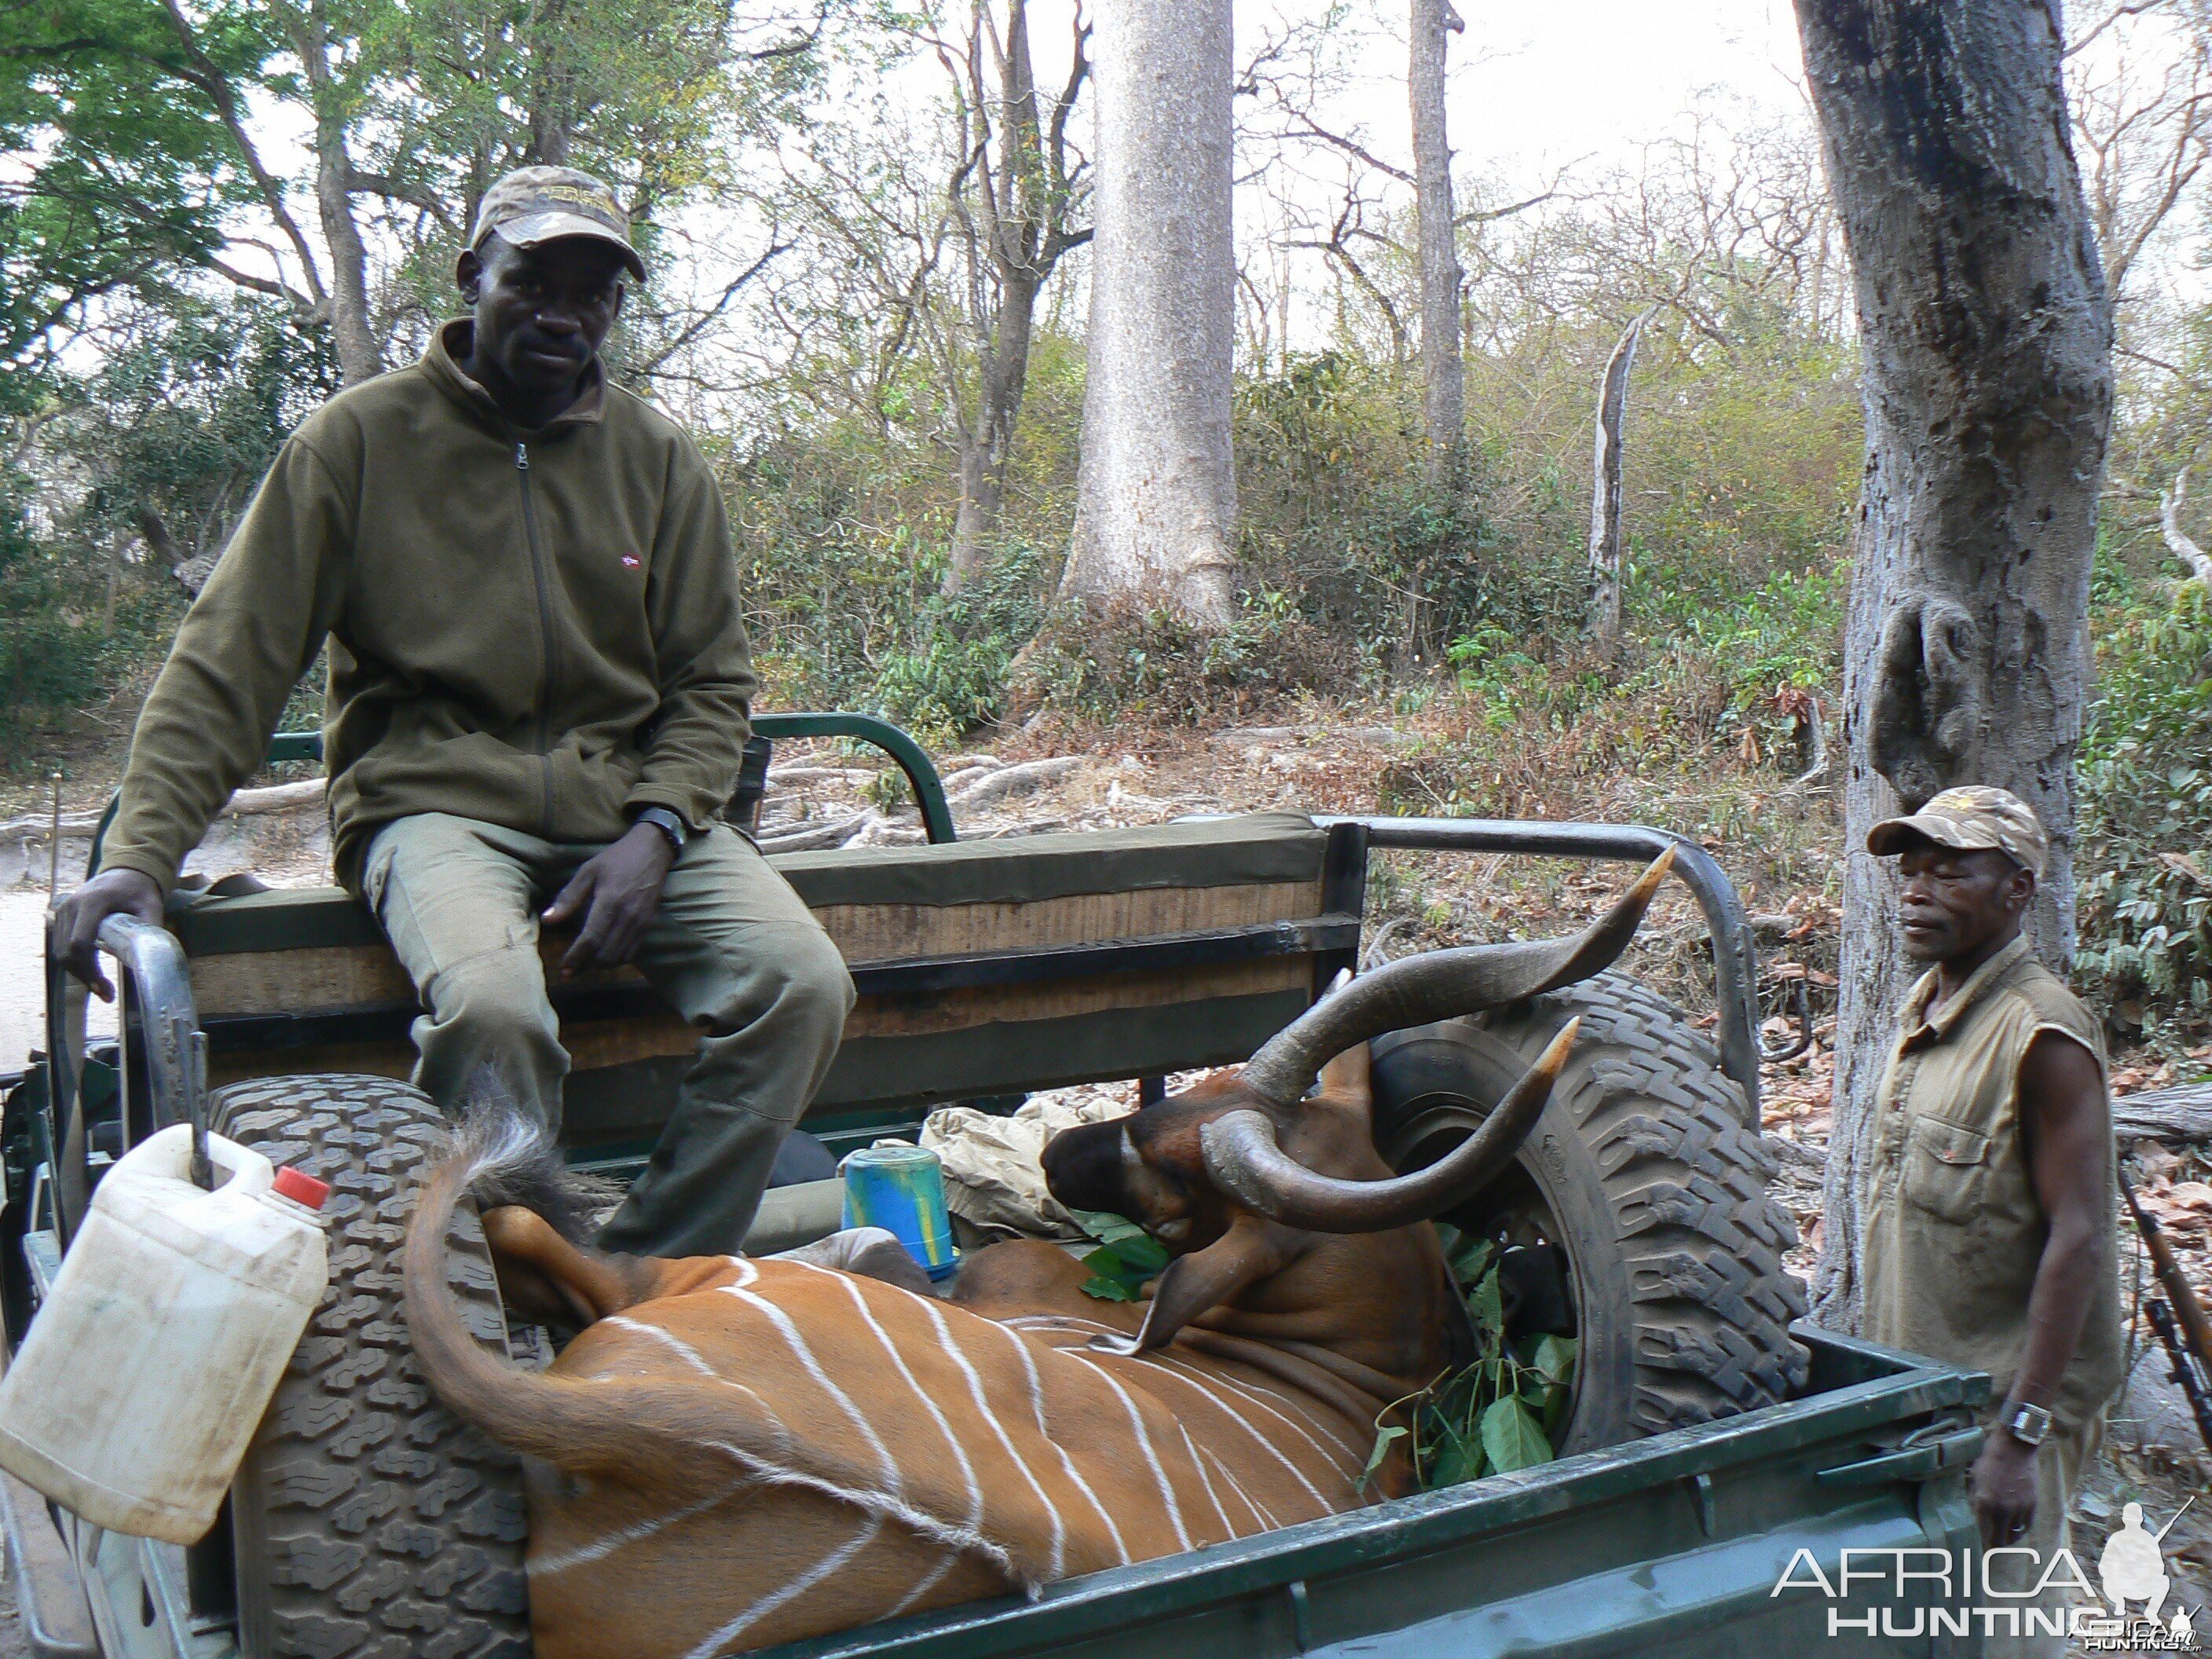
x: 913, y: 760
x: 1735, y: 955
x: 154, y: 987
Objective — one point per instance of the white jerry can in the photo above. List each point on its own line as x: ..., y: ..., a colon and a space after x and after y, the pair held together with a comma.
x: 174, y: 1313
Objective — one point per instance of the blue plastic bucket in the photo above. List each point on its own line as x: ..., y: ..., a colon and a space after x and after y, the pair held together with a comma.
x: 901, y: 1189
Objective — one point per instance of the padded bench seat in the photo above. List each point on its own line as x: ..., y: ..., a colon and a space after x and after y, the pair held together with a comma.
x: 983, y: 966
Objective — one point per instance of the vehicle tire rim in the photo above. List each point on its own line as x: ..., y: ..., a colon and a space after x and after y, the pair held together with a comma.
x: 1514, y: 1209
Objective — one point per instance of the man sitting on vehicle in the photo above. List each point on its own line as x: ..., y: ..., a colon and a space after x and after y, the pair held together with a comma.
x: 538, y: 689
x: 1989, y: 1215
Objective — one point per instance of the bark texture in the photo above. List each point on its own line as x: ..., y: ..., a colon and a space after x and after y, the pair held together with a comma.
x: 1444, y: 393
x: 1987, y: 334
x: 1156, y: 500
x: 1606, y: 453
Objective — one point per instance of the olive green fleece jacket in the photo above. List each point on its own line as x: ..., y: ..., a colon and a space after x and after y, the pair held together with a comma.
x: 536, y: 630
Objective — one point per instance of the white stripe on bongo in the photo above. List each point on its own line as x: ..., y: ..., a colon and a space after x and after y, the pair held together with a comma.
x: 1260, y: 1394
x: 541, y: 1566
x: 784, y: 1325
x: 1205, y: 1381
x: 1144, y: 1444
x: 880, y: 1505
x: 984, y: 1410
x: 1066, y: 1464
x: 1238, y: 1418
x: 1061, y: 1321
x: 929, y: 1581
x: 851, y: 1288
x: 787, y: 1591
x: 1260, y: 1511
x: 1252, y: 1391
x: 691, y: 1356
x: 684, y: 1350
x: 1206, y: 1480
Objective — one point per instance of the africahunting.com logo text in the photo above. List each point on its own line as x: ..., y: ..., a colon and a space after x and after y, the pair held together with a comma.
x: 2011, y: 1592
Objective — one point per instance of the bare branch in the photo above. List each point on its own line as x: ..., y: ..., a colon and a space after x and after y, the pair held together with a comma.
x: 2169, y: 524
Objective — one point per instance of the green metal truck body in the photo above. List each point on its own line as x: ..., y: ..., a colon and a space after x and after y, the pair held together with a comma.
x: 1673, y: 1543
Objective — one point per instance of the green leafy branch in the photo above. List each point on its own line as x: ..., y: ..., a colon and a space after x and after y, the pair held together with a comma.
x: 1500, y: 1412
x: 1127, y: 1260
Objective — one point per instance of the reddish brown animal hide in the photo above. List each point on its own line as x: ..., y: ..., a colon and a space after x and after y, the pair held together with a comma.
x: 746, y: 1452
x: 739, y: 1452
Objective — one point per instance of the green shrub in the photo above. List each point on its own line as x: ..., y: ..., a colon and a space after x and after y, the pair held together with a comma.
x: 1152, y: 664
x: 2146, y: 820
x: 951, y: 675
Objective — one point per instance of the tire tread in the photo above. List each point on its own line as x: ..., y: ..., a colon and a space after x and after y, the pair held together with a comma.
x: 1687, y: 1181
x: 370, y: 1521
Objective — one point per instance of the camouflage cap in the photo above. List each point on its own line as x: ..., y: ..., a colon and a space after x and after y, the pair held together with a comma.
x: 532, y: 205
x: 1970, y: 817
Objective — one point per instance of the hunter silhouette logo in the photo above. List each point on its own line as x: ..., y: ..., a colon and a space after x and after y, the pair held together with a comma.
x: 2132, y: 1568
x: 1938, y: 1592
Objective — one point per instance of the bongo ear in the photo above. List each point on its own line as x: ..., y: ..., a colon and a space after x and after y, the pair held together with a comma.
x: 1251, y: 1250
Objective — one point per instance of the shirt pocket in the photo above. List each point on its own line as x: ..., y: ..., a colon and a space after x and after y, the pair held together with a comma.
x: 1947, y: 1169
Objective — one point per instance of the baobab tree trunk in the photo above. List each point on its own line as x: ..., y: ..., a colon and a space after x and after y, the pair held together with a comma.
x: 1987, y: 334
x: 1155, y: 496
x: 1443, y: 395
x: 1603, y: 625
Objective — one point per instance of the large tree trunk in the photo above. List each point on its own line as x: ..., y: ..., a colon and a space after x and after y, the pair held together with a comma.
x: 1023, y: 205
x: 1608, y: 450
x: 1987, y: 335
x: 988, y: 445
x: 1156, y: 499
x: 1443, y: 396
x: 354, y: 340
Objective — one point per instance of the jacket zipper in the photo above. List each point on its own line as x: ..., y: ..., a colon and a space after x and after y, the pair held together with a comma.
x: 549, y: 647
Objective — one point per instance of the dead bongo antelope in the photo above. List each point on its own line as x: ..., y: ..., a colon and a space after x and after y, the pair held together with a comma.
x: 737, y: 1453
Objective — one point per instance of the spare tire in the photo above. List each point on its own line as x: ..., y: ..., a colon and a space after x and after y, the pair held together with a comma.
x: 368, y: 1521
x: 1642, y: 1175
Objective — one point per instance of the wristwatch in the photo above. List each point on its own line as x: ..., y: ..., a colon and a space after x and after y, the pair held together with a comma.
x: 667, y: 822
x: 2024, y: 1423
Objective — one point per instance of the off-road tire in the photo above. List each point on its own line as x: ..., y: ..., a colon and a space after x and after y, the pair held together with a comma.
x: 1656, y: 1187
x: 368, y: 1521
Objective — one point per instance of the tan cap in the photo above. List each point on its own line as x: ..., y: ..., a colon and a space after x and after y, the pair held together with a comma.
x: 532, y: 205
x: 1970, y: 817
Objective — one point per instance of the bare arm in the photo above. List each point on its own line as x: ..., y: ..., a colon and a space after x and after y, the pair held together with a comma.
x: 2066, y: 1125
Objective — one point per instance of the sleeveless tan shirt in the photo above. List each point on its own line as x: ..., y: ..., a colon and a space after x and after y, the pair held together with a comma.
x: 1954, y: 1230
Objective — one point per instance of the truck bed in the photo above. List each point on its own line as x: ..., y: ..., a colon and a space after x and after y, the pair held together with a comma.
x: 1666, y: 1546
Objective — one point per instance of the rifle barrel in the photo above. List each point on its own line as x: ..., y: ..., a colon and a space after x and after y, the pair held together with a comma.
x: 2178, y: 1318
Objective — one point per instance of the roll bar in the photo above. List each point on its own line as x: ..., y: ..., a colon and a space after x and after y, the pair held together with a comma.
x: 1736, y: 955
x: 911, y: 759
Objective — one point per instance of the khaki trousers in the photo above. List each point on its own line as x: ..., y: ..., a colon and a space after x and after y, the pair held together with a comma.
x: 733, y: 949
x: 2058, y: 1464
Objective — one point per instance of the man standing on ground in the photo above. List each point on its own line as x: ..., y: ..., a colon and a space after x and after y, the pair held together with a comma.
x: 539, y: 690
x: 1990, y: 1211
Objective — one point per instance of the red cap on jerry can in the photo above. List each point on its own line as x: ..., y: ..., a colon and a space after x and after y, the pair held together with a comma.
x: 301, y: 1187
